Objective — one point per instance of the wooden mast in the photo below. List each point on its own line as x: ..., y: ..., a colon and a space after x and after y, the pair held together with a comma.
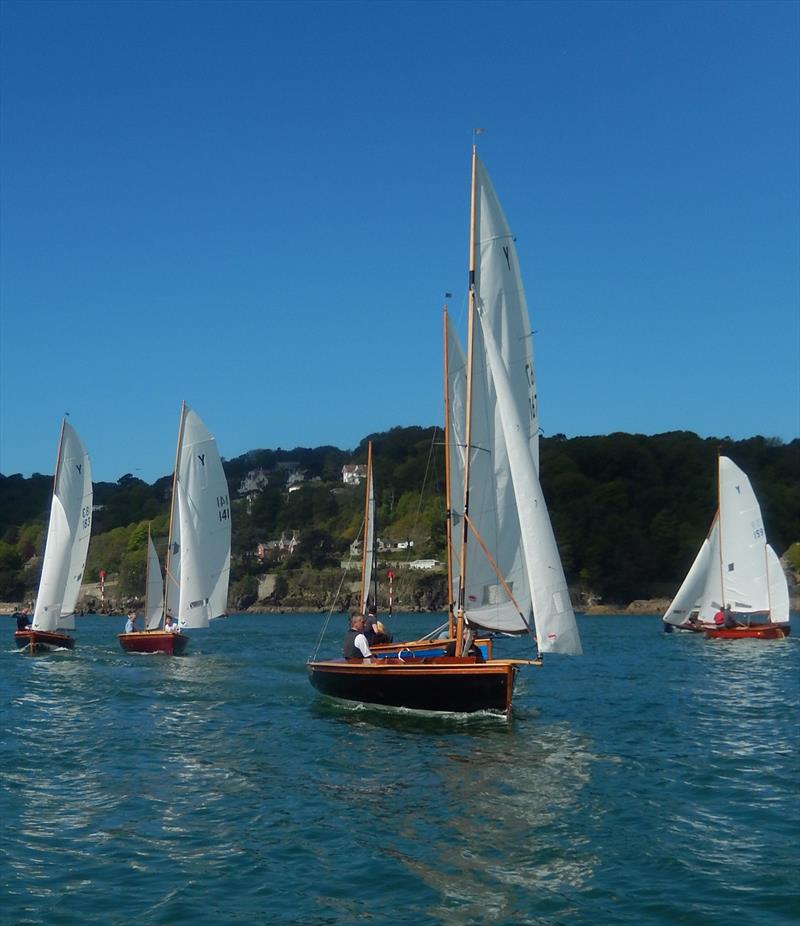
x: 167, y: 573
x: 448, y: 517
x: 366, y: 579
x: 468, y: 426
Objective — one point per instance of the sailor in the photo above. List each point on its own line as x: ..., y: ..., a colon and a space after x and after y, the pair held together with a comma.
x: 355, y: 643
x: 730, y: 620
x: 371, y: 624
x: 170, y: 624
x: 130, y: 624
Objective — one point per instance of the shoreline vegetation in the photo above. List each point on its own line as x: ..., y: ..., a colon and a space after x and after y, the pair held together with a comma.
x: 629, y: 512
x: 641, y: 607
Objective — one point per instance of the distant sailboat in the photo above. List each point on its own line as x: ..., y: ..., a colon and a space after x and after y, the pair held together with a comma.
x: 65, y: 551
x: 199, y: 548
x: 506, y: 571
x: 735, y: 566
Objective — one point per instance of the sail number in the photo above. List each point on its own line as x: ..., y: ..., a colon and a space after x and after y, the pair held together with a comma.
x: 86, y: 516
x: 531, y: 391
x: 223, y: 507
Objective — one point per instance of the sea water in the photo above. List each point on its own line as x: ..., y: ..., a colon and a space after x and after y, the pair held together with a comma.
x: 653, y: 780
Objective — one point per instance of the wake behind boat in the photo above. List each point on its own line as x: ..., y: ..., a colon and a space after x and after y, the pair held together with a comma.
x: 505, y: 574
x: 198, y: 551
x: 736, y: 569
x: 65, y: 549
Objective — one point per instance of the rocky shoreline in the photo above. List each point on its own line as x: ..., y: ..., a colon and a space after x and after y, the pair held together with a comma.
x: 640, y: 607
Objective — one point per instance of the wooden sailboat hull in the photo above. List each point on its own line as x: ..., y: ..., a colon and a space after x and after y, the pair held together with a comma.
x: 441, y: 684
x: 754, y: 632
x: 42, y: 641
x: 154, y: 641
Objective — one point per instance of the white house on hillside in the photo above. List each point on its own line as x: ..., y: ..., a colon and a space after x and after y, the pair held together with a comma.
x: 353, y: 474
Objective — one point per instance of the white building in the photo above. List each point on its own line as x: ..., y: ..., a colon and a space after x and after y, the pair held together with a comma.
x: 353, y: 474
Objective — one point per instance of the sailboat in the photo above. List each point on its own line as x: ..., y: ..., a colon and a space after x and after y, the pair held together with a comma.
x: 734, y: 567
x: 65, y: 549
x: 505, y: 572
x: 199, y: 549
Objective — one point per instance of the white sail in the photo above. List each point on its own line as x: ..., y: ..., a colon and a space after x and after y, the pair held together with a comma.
x: 498, y: 284
x: 504, y: 453
x: 201, y: 538
x: 556, y: 629
x: 456, y: 419
x: 67, y: 536
x: 735, y: 566
x: 778, y: 588
x: 154, y: 590
x: 689, y: 595
x: 368, y: 562
x: 742, y: 542
x: 711, y: 597
x: 492, y: 503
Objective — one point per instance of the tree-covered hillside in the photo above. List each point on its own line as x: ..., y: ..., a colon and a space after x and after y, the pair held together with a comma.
x: 629, y: 511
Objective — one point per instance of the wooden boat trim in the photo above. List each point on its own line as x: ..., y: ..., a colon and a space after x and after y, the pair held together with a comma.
x: 413, y: 645
x: 454, y: 665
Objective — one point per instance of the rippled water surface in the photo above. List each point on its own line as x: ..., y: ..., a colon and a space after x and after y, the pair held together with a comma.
x: 652, y: 781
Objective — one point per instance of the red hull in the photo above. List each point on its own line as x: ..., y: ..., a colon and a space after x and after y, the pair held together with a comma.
x: 42, y: 641
x: 754, y: 632
x: 153, y: 641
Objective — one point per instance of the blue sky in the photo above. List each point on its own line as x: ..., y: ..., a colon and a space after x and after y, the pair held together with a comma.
x: 258, y: 207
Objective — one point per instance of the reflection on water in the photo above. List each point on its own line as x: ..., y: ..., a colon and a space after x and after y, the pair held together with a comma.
x: 219, y: 787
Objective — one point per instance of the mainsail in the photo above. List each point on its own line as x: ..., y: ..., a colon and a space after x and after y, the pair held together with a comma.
x: 200, y: 541
x: 67, y: 536
x: 521, y: 577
